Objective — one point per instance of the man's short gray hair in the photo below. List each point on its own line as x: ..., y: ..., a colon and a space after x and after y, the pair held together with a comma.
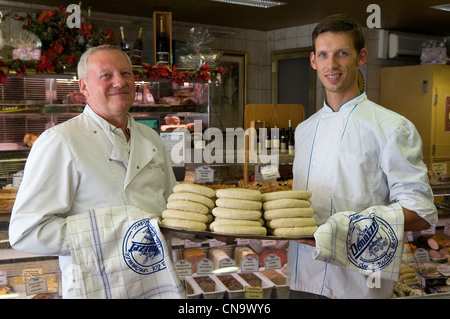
x: 82, y: 64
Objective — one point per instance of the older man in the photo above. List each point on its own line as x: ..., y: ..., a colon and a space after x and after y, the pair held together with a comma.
x: 100, y: 158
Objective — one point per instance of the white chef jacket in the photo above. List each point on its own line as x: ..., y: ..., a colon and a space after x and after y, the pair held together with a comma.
x: 360, y: 156
x: 81, y: 164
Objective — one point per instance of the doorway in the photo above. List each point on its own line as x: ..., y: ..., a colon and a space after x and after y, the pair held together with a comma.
x: 293, y: 79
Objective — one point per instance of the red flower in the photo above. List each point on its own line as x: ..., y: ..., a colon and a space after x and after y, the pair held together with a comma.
x: 109, y: 36
x: 45, y: 16
x: 71, y: 59
x: 45, y: 64
x: 203, y: 73
x: 55, y: 48
x: 86, y: 29
x: 3, y: 77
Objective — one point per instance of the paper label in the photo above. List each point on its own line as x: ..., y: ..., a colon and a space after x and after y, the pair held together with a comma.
x: 27, y: 274
x: 35, y: 286
x: 249, y: 264
x: 205, y: 266
x: 204, y: 174
x: 272, y: 262
x: 253, y: 292
x: 183, y: 268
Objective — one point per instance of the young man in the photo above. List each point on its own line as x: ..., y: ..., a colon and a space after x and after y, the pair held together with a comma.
x: 100, y: 158
x: 352, y: 154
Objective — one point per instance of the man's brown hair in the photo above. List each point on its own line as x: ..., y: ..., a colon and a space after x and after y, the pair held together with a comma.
x: 340, y: 23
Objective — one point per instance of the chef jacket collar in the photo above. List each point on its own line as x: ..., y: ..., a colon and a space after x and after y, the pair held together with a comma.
x: 347, y: 105
x: 107, y: 127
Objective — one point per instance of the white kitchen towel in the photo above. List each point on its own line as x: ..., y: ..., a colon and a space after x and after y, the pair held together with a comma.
x: 120, y: 252
x: 366, y: 242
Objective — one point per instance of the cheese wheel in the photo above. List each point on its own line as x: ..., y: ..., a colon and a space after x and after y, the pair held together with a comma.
x: 238, y: 204
x: 173, y: 213
x: 286, y: 194
x: 288, y: 212
x: 295, y: 231
x: 201, y: 199
x: 291, y: 222
x: 188, y: 206
x: 239, y: 193
x: 194, y: 188
x: 184, y: 224
x: 238, y: 222
x: 285, y: 203
x: 240, y: 230
x: 222, y: 212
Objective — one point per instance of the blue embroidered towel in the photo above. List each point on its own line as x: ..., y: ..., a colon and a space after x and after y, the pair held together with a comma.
x: 366, y: 242
x: 120, y: 252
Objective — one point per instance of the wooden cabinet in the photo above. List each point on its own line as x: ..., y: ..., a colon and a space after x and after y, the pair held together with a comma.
x: 422, y: 94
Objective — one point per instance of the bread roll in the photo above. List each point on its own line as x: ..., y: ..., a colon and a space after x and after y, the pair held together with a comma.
x: 201, y: 199
x: 295, y: 194
x: 239, y: 193
x: 286, y: 203
x: 238, y: 204
x: 288, y: 213
x: 240, y: 230
x: 172, y: 213
x: 184, y: 224
x: 194, y: 188
x: 188, y: 206
x: 229, y: 213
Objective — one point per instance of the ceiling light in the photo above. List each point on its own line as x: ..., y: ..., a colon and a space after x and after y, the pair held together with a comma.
x: 254, y: 3
x: 443, y: 7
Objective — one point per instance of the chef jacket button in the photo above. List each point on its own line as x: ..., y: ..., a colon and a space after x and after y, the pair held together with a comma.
x: 137, y: 167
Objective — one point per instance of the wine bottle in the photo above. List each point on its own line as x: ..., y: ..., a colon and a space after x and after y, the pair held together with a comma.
x: 289, y: 134
x: 138, y: 47
x: 162, y: 45
x: 283, y: 140
x: 291, y: 147
x: 124, y: 44
x: 268, y: 143
x: 275, y: 138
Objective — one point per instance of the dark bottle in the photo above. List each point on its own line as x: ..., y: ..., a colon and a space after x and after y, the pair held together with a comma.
x: 289, y: 134
x: 275, y: 138
x: 291, y: 147
x: 162, y: 45
x: 268, y: 142
x: 124, y: 44
x: 138, y: 47
x: 283, y: 140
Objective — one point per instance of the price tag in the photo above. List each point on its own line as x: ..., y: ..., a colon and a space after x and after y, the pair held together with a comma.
x: 215, y: 243
x: 447, y: 228
x: 183, y: 268
x: 429, y: 231
x: 3, y: 278
x: 269, y: 172
x: 27, y: 274
x: 272, y: 262
x: 249, y: 264
x: 253, y: 292
x: 191, y: 244
x: 205, y: 266
x: 421, y: 255
x: 242, y: 241
x: 35, y: 285
x: 227, y: 262
x: 204, y: 174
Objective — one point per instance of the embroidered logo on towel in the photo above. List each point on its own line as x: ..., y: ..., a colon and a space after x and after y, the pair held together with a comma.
x: 371, y: 242
x: 142, y: 249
